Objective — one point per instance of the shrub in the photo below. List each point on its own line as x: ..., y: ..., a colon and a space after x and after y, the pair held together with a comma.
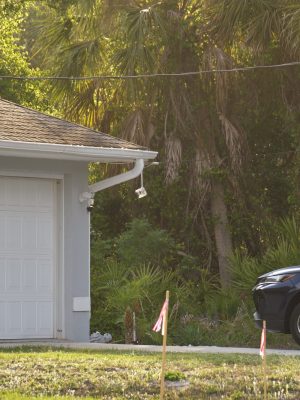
x: 142, y: 244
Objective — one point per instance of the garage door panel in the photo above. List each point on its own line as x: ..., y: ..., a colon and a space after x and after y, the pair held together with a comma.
x: 26, y: 276
x: 44, y: 192
x: 2, y: 319
x: 29, y: 193
x: 13, y: 229
x: 26, y: 319
x: 29, y: 318
x: 29, y: 232
x: 14, y: 317
x: 44, y: 317
x: 13, y: 275
x: 29, y: 275
x: 27, y: 258
x: 44, y: 233
x: 2, y: 274
x: 44, y: 277
x: 2, y: 232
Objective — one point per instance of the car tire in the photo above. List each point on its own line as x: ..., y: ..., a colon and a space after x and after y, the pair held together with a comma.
x: 295, y: 324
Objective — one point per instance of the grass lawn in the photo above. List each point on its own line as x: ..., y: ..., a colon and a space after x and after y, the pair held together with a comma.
x: 58, y: 374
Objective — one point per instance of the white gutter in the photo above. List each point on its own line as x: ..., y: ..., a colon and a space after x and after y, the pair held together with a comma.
x: 82, y: 153
x: 109, y: 182
x: 116, y: 180
x: 72, y: 152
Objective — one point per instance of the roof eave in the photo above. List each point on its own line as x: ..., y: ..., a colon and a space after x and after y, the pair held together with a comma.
x: 71, y: 152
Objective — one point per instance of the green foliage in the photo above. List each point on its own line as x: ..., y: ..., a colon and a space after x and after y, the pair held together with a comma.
x: 246, y: 270
x: 14, y: 60
x: 142, y: 289
x: 208, y: 332
x: 224, y: 304
x: 286, y: 248
x: 141, y: 243
x: 224, y: 317
x: 283, y: 251
x: 174, y: 376
x: 237, y: 330
x: 132, y: 273
x: 200, y: 310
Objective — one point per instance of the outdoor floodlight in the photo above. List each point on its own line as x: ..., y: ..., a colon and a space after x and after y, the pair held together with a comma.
x: 141, y: 192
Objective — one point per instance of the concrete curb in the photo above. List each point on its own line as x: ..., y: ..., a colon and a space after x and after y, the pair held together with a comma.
x: 147, y: 348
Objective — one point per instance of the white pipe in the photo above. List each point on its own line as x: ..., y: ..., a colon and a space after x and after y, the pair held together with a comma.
x: 114, y: 180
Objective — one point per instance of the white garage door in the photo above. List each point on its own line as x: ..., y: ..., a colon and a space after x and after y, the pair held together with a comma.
x: 27, y: 257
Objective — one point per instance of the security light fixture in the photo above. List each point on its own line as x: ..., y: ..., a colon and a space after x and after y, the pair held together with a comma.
x: 141, y: 192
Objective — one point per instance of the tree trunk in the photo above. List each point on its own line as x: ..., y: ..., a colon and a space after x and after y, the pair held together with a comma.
x: 221, y: 231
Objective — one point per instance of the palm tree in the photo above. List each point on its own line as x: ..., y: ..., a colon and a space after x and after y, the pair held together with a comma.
x: 191, y: 116
x: 258, y: 23
x: 269, y: 30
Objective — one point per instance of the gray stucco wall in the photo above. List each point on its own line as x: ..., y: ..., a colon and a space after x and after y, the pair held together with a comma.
x: 74, y: 246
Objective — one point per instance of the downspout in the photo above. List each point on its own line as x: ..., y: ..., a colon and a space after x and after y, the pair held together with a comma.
x: 109, y: 182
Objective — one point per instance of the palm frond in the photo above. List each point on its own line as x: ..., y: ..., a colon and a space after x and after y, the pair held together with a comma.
x: 280, y: 256
x: 77, y: 59
x: 142, y: 26
x: 49, y: 32
x: 289, y: 228
x: 113, y: 275
x: 202, y: 166
x: 135, y: 128
x: 86, y: 7
x: 235, y: 139
x: 134, y: 58
x: 290, y: 34
x: 82, y: 105
x: 216, y: 58
x: 245, y: 270
x: 265, y: 27
x: 226, y: 17
x: 181, y: 108
x: 147, y: 275
x: 80, y: 57
x: 141, y: 21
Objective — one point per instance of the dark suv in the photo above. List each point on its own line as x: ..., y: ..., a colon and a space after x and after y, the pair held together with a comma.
x: 277, y: 300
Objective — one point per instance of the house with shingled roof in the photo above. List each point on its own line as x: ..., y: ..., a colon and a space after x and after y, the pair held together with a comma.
x: 45, y: 201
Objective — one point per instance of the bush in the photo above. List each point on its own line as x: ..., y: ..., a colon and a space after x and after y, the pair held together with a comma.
x: 142, y: 244
x: 132, y: 274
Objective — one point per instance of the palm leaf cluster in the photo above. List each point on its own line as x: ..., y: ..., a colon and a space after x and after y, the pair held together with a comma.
x: 196, y: 122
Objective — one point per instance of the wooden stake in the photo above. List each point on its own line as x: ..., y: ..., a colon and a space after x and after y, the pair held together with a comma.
x: 164, y: 350
x: 134, y: 338
x: 265, y: 362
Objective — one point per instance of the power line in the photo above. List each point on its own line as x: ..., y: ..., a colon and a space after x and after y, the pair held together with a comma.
x: 156, y: 75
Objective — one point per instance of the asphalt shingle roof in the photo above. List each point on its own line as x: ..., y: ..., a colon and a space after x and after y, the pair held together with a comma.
x: 23, y: 124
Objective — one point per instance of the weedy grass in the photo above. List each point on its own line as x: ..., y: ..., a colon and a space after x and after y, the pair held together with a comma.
x: 26, y: 373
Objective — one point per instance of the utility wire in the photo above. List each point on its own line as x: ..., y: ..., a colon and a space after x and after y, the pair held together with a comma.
x: 180, y: 74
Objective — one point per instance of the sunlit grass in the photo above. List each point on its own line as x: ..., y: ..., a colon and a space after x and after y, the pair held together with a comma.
x: 62, y: 374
